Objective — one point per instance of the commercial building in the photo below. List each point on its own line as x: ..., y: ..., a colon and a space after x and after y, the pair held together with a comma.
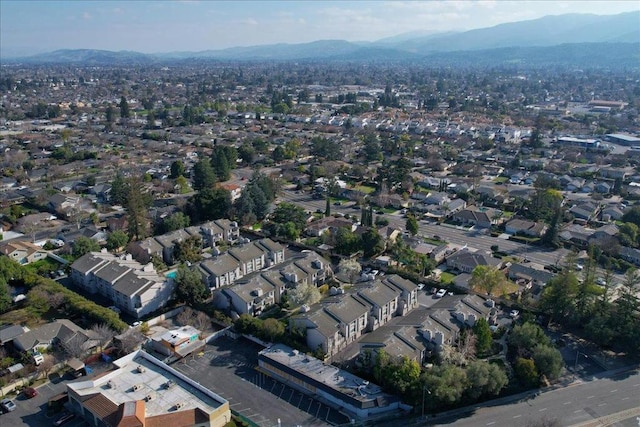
x: 143, y: 391
x: 347, y: 393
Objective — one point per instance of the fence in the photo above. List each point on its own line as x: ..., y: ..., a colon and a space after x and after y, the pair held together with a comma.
x: 168, y: 315
x: 28, y: 379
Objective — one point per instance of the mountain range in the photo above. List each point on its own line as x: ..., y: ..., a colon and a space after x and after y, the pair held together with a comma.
x: 570, y: 39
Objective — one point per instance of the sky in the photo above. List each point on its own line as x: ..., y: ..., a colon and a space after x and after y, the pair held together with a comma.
x: 28, y: 27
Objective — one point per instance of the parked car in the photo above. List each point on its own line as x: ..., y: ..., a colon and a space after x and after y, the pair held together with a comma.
x: 420, y: 286
x: 30, y: 392
x: 7, y: 405
x: 441, y: 293
x: 514, y: 313
x: 64, y: 418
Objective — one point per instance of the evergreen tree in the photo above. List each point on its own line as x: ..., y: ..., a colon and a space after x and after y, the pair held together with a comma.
x: 327, y: 209
x: 124, y: 108
x: 204, y: 176
x: 412, y: 225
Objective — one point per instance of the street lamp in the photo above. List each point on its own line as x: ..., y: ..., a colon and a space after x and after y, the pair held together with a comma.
x: 424, y: 388
x: 578, y: 353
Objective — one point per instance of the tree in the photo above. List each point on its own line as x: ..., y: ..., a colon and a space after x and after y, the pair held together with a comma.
x: 204, y: 177
x: 177, y: 169
x: 349, y: 268
x: 110, y: 116
x: 189, y: 285
x: 202, y: 321
x: 272, y: 329
x: 74, y: 346
x: 558, y: 296
x: 489, y: 280
x: 208, y: 204
x: 83, y: 245
x: 327, y: 209
x: 5, y: 296
x: 104, y: 333
x: 124, y: 108
x: 116, y: 240
x: 278, y: 154
x: 137, y: 205
x: 372, y: 243
x: 526, y: 372
x: 526, y: 337
x: 304, y: 293
x: 185, y: 317
x: 447, y: 384
x: 46, y: 365
x: 548, y: 361
x: 483, y: 336
x: 176, y: 221
x: 412, y: 225
x: 189, y: 250
x: 119, y: 190
x: 485, y: 379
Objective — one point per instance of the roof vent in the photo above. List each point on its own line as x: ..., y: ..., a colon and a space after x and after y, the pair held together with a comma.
x: 141, y: 369
x: 169, y: 384
x: 179, y: 405
x: 111, y: 384
x: 148, y: 397
x: 136, y: 387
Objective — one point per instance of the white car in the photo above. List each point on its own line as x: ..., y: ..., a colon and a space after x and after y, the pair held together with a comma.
x: 441, y: 293
x: 420, y: 286
x: 514, y: 313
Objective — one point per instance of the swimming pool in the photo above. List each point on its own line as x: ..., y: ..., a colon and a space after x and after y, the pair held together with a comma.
x: 172, y: 274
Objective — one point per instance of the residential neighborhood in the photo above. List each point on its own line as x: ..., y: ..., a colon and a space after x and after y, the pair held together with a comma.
x: 269, y: 243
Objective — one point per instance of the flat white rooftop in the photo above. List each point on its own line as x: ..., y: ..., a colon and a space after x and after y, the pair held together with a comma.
x: 142, y: 377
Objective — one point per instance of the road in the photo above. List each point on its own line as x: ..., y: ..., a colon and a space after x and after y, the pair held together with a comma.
x: 604, y: 401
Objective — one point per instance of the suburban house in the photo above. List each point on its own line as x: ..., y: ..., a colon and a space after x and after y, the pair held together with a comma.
x: 134, y: 288
x: 59, y: 331
x: 22, y: 252
x: 536, y: 276
x: 630, y: 254
x: 526, y: 227
x: 465, y: 260
x: 143, y: 391
x: 328, y: 224
x: 341, y: 390
x: 239, y: 261
x: 63, y: 204
x: 480, y: 217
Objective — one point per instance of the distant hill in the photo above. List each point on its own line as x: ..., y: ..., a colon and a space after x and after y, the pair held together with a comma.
x: 546, y: 31
x: 574, y: 39
x: 90, y: 57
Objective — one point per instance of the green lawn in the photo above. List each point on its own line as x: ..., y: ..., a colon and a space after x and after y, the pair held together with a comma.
x: 501, y: 180
x: 447, y: 278
x: 365, y: 189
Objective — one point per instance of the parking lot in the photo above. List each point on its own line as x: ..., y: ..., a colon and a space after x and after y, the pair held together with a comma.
x: 33, y: 412
x: 227, y: 367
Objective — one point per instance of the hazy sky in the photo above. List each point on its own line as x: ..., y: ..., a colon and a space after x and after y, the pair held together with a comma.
x: 28, y: 27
